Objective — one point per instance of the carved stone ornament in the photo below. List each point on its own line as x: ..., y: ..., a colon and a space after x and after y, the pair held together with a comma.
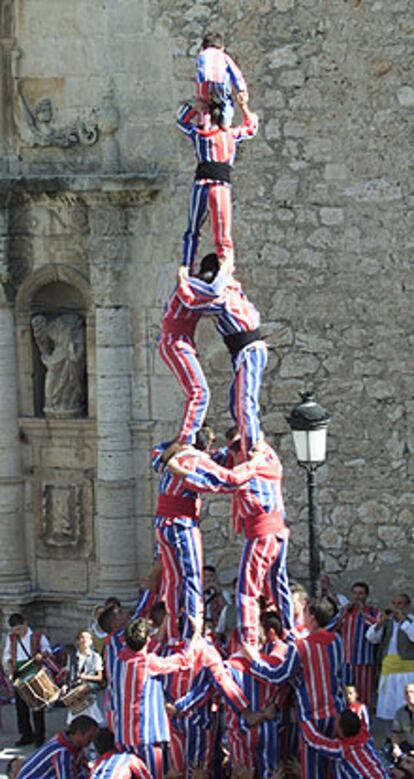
x: 62, y: 515
x: 37, y: 123
x: 61, y: 343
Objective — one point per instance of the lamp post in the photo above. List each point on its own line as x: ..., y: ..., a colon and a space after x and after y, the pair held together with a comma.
x: 308, y: 422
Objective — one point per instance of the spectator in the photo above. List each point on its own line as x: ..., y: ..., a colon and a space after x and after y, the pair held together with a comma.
x: 394, y: 631
x: 214, y: 601
x: 227, y: 621
x: 402, y: 736
x: 360, y: 655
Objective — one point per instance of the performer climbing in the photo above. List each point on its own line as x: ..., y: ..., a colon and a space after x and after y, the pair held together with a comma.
x: 215, y: 151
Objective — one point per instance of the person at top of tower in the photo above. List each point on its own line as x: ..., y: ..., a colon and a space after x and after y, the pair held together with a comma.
x: 215, y: 152
x: 216, y: 74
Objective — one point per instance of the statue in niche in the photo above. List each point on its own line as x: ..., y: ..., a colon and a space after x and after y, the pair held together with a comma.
x: 39, y: 120
x: 61, y: 342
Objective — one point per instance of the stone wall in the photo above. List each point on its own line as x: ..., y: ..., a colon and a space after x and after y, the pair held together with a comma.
x: 322, y: 227
x: 323, y: 231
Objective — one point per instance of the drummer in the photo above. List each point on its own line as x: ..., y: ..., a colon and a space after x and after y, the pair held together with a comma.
x: 85, y: 667
x: 22, y: 645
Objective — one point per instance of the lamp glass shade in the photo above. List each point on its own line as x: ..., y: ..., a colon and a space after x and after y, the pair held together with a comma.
x: 310, y: 445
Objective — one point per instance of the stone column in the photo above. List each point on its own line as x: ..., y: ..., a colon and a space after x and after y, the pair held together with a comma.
x: 14, y: 579
x: 115, y: 514
x: 115, y: 537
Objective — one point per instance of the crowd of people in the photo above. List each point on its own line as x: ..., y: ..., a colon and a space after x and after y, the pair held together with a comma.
x: 214, y: 705
x: 268, y: 682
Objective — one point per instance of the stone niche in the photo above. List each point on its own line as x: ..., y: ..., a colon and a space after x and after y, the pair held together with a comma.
x: 56, y: 362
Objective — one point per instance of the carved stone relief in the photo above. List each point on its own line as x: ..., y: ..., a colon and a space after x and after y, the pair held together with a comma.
x: 61, y: 343
x: 62, y: 514
x: 36, y: 122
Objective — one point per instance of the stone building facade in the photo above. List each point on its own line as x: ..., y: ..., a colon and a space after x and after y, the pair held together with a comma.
x: 94, y: 182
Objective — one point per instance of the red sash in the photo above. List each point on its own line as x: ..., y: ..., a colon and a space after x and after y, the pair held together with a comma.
x: 178, y: 506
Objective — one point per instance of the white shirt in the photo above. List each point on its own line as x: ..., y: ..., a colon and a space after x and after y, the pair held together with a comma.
x: 26, y: 641
x: 375, y: 632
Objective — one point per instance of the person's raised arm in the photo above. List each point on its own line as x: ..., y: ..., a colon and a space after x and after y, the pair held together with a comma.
x: 185, y: 116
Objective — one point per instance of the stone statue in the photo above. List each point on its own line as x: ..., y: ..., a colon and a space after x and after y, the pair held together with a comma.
x: 38, y: 128
x: 61, y: 342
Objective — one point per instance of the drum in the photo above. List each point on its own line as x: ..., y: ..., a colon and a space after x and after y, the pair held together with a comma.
x: 37, y: 688
x: 79, y: 698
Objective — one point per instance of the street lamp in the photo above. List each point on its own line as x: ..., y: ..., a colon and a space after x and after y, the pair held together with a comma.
x: 308, y: 422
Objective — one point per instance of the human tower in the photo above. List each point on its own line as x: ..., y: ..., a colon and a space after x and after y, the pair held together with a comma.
x: 161, y: 701
x: 248, y: 468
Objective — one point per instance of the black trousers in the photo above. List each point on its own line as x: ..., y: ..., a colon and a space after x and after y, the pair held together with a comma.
x: 24, y: 724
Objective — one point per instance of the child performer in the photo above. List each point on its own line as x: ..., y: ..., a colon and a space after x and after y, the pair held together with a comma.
x: 216, y: 74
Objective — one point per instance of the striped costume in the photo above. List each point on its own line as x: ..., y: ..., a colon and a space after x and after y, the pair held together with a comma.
x: 259, y: 746
x: 238, y: 322
x: 248, y: 746
x: 58, y: 759
x: 114, y: 642
x: 354, y: 758
x: 178, y: 533
x: 193, y: 738
x: 216, y: 74
x: 314, y: 664
x: 140, y: 719
x: 360, y: 656
x: 258, y: 511
x: 179, y: 352
x: 119, y: 765
x: 215, y: 152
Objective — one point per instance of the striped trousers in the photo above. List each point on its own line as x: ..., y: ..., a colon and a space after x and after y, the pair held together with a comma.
x: 262, y: 558
x: 248, y: 369
x: 180, y: 355
x: 182, y: 569
x: 216, y: 199
x: 156, y: 757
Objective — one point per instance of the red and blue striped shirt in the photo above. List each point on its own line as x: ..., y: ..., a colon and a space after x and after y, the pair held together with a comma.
x: 188, y: 302
x: 314, y: 666
x: 120, y: 765
x: 261, y: 498
x: 231, y: 308
x: 57, y: 759
x: 213, y: 64
x: 205, y: 475
x: 216, y: 144
x: 357, y: 649
x: 356, y: 757
x: 140, y: 716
